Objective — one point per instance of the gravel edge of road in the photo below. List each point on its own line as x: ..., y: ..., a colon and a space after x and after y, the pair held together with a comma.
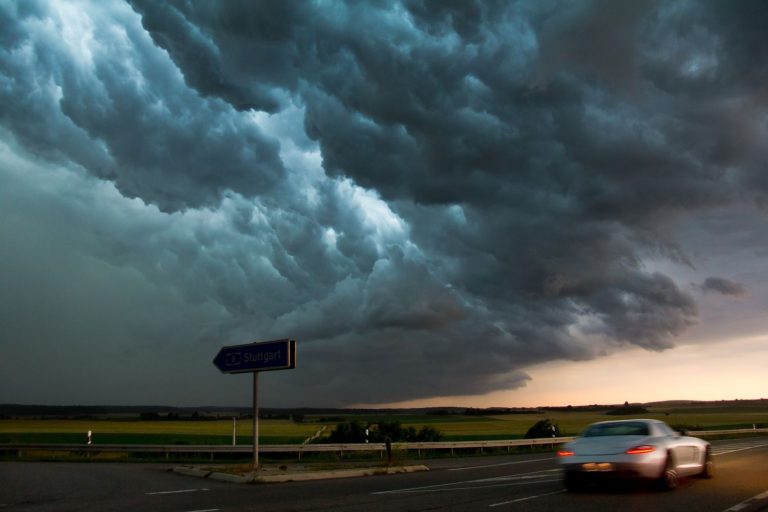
x: 301, y: 476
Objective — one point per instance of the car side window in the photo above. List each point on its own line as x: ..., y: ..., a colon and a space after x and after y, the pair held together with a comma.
x: 624, y: 428
x: 666, y: 429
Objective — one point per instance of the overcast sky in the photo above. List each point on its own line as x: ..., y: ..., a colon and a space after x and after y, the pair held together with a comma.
x: 468, y: 202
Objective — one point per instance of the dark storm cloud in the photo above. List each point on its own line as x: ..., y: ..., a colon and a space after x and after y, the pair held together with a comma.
x: 109, y: 102
x: 724, y: 286
x: 415, y: 190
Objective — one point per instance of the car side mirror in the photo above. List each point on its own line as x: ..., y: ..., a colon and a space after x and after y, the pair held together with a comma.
x: 682, y: 432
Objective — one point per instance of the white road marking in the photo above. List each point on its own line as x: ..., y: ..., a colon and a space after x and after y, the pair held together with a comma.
x: 746, y: 503
x: 498, y: 465
x: 483, y: 483
x: 518, y: 500
x: 180, y: 491
x: 522, y: 476
x: 451, y: 489
x: 718, y: 452
x: 205, y: 510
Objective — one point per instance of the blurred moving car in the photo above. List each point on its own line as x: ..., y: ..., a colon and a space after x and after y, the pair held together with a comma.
x: 633, y: 449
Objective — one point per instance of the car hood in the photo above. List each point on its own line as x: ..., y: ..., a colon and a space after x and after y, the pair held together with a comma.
x: 606, y: 445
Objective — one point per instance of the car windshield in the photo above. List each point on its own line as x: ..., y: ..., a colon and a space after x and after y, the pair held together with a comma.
x: 617, y: 429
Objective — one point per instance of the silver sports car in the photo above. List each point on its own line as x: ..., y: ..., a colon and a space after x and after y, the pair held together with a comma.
x: 642, y: 449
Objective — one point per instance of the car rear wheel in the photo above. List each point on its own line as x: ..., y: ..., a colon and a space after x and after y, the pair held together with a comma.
x: 669, y: 477
x: 708, y: 469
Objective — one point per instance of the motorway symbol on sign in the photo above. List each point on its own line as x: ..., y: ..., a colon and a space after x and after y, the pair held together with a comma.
x: 257, y: 357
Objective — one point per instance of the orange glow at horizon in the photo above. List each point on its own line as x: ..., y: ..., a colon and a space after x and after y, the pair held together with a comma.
x: 706, y: 371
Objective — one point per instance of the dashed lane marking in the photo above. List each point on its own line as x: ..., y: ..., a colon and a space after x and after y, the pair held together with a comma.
x: 535, y: 477
x: 518, y: 500
x: 435, y: 489
x: 733, y: 449
x: 499, y: 465
x: 180, y: 491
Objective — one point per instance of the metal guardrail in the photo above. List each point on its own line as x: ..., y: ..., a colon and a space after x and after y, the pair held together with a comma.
x: 296, y: 449
x: 706, y: 433
x: 300, y: 449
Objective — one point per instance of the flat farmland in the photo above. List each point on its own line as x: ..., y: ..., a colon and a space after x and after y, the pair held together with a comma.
x: 454, y: 427
x: 571, y: 423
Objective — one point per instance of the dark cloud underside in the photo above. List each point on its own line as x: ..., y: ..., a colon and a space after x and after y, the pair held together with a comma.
x: 417, y: 191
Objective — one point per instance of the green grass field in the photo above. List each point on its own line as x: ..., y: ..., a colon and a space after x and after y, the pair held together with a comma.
x: 513, y: 426
x: 152, y: 432
x: 453, y: 427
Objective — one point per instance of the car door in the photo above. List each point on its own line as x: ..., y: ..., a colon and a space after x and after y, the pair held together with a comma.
x: 685, y: 453
x: 688, y: 454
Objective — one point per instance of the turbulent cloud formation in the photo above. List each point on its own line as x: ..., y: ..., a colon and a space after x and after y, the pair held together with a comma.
x: 724, y: 286
x: 429, y: 196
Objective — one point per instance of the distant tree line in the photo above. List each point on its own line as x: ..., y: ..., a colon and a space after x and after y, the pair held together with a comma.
x: 577, y: 408
x: 628, y: 409
x: 498, y: 411
x: 175, y: 416
x: 354, y: 432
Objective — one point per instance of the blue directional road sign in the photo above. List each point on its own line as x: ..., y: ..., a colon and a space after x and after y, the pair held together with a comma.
x: 257, y: 357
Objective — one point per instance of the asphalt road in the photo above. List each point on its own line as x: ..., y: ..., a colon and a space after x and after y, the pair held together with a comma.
x: 530, y: 483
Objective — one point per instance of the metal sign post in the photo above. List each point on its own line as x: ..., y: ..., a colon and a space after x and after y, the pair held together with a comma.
x: 255, y: 420
x: 255, y: 358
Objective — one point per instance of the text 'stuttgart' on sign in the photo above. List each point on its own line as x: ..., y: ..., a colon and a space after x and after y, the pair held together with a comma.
x: 257, y: 357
